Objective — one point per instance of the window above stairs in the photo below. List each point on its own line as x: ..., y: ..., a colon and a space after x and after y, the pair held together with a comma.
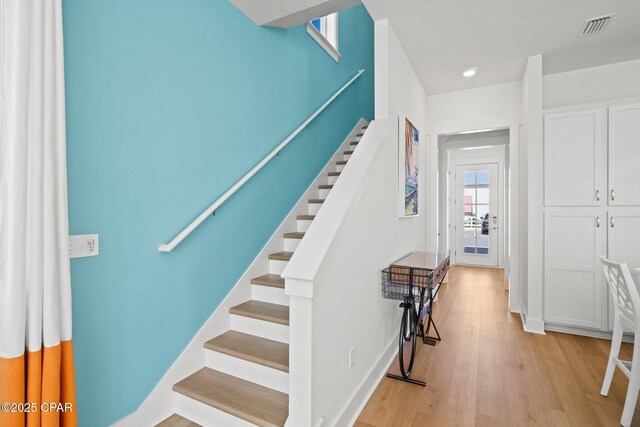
x: 324, y: 30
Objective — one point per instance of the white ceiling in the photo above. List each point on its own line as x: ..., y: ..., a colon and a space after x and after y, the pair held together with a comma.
x: 442, y: 38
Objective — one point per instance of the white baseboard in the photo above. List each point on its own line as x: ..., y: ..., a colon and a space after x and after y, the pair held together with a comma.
x: 161, y: 402
x: 605, y: 335
x: 533, y: 326
x: 356, y: 403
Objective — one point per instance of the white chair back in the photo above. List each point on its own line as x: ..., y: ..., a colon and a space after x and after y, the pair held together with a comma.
x: 626, y: 300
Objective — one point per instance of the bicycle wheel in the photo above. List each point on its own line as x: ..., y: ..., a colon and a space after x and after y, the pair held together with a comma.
x: 407, y: 340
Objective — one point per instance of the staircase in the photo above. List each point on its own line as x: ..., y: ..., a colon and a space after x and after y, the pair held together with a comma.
x: 245, y: 380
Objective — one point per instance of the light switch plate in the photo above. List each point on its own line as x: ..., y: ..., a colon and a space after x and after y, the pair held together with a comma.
x: 84, y: 245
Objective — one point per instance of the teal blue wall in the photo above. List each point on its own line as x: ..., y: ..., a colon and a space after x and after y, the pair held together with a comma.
x: 169, y: 102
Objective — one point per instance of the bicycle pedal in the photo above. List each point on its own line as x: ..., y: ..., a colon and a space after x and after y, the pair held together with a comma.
x: 430, y: 341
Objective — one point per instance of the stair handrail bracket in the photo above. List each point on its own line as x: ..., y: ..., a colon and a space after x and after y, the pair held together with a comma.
x: 168, y: 247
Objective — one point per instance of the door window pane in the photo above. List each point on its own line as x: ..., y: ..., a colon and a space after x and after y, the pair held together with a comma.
x: 469, y: 198
x: 470, y: 178
x: 483, y: 178
x: 477, y: 218
x: 482, y: 195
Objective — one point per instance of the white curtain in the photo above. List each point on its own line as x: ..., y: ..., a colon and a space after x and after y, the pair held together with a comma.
x: 35, y: 288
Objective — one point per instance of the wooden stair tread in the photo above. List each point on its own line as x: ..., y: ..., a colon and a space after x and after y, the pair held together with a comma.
x: 294, y: 235
x: 272, y: 280
x: 255, y: 349
x: 325, y: 186
x: 176, y: 420
x: 260, y: 405
x: 341, y: 162
x: 306, y: 217
x: 281, y: 256
x: 334, y: 173
x: 275, y: 313
x: 316, y: 200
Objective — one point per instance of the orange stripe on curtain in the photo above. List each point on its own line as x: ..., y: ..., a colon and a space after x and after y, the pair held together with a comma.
x: 38, y: 388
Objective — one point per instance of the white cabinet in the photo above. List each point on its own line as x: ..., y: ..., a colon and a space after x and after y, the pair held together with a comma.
x: 624, y: 236
x: 591, y: 208
x: 623, y: 230
x: 574, y: 144
x: 624, y: 155
x: 573, y: 281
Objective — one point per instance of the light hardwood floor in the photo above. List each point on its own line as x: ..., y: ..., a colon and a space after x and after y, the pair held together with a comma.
x: 488, y: 372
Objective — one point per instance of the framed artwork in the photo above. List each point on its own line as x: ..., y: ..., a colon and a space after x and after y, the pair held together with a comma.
x: 408, y: 167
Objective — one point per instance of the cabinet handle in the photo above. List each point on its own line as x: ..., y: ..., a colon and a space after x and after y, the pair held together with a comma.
x: 597, y: 222
x: 613, y: 194
x: 597, y: 195
x: 613, y: 222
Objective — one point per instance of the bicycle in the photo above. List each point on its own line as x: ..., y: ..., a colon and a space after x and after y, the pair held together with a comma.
x: 416, y: 288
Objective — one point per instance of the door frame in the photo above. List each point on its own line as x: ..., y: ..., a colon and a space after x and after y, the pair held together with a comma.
x: 451, y: 217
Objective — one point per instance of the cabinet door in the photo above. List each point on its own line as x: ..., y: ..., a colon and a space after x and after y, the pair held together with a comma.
x: 573, y: 281
x: 573, y: 156
x: 623, y: 242
x: 624, y: 155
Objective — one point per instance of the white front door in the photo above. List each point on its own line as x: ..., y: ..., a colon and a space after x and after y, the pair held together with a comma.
x: 476, y: 214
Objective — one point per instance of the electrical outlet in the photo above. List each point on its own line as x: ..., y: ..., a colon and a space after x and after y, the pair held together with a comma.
x: 352, y: 357
x: 84, y: 245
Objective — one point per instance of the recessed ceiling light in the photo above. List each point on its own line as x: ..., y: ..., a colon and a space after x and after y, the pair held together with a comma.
x: 470, y: 72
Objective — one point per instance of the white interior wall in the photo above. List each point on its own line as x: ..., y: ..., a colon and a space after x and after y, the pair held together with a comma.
x: 532, y: 197
x: 397, y: 87
x: 523, y: 209
x: 399, y: 92
x: 454, y: 149
x: 488, y: 107
x: 604, y: 83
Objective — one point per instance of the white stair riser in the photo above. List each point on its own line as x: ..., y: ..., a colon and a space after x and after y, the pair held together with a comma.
x: 205, y: 415
x: 276, y: 266
x: 249, y: 371
x: 314, y: 208
x: 303, y: 225
x: 269, y: 294
x: 290, y: 245
x: 261, y: 328
x: 339, y: 168
x: 323, y: 193
x: 346, y: 157
x: 332, y: 180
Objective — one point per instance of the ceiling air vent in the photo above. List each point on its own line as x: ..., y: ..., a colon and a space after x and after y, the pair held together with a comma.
x: 595, y: 25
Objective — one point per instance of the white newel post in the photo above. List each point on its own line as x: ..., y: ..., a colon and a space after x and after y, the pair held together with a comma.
x: 300, y: 352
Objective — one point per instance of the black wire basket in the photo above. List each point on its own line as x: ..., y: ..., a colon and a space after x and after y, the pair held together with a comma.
x: 396, y: 282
